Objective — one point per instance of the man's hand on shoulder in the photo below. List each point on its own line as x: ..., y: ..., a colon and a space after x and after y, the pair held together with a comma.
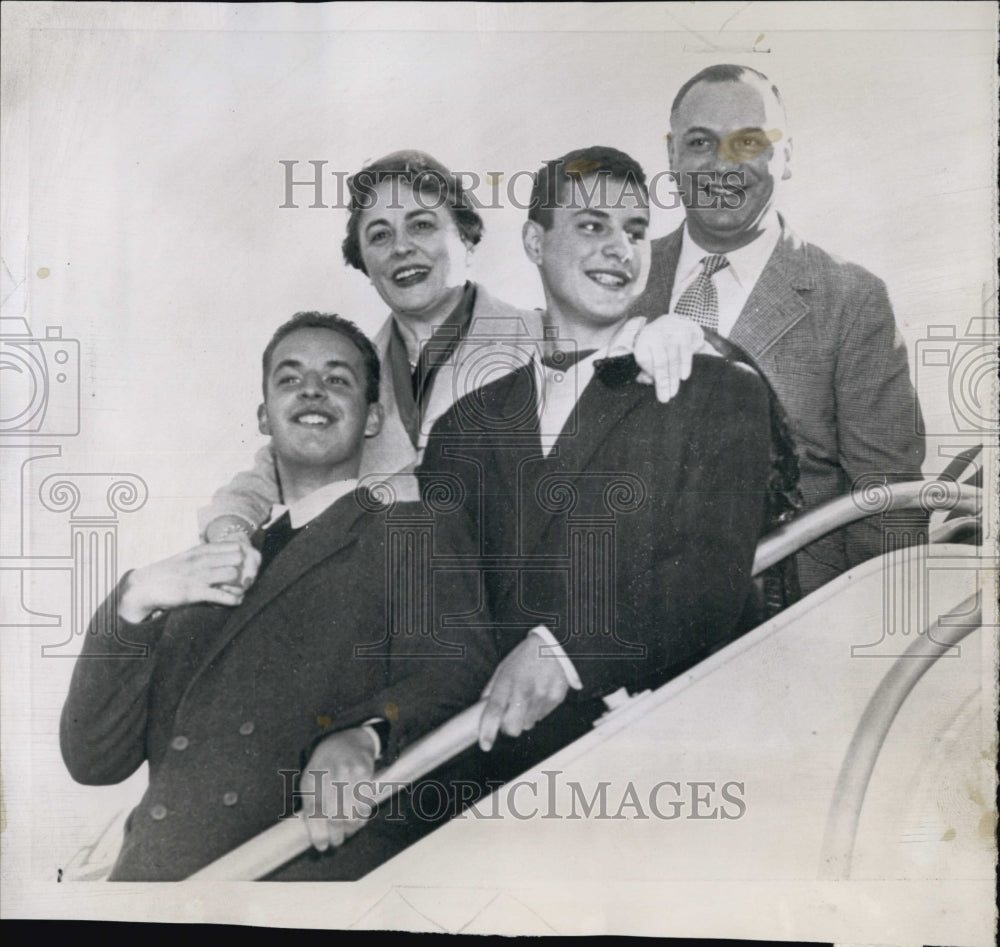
x: 527, y: 685
x: 334, y: 807
x: 215, y: 573
x: 664, y: 349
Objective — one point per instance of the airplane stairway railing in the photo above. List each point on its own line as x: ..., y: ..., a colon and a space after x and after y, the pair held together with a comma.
x: 873, y: 728
x: 287, y: 839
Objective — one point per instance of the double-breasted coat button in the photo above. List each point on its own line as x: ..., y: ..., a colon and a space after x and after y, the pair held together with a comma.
x: 158, y: 812
x: 230, y: 798
x: 180, y: 743
x: 246, y: 728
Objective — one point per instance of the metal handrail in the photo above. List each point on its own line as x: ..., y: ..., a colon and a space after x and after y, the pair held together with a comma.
x: 873, y: 728
x: 284, y: 841
x: 874, y: 499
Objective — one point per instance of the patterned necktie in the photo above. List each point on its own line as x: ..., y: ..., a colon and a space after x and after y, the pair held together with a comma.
x: 700, y: 302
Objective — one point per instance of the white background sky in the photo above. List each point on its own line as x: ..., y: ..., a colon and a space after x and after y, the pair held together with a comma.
x: 142, y: 147
x: 155, y: 187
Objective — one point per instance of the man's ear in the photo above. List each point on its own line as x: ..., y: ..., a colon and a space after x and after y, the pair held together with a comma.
x: 787, y: 172
x: 262, y: 424
x: 531, y: 236
x: 373, y: 423
x: 671, y: 152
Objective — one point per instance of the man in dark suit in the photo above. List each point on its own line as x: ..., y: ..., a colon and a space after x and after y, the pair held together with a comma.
x: 821, y: 330
x: 229, y: 694
x: 616, y: 533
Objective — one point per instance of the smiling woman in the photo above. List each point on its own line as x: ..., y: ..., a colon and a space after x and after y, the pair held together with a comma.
x: 411, y: 230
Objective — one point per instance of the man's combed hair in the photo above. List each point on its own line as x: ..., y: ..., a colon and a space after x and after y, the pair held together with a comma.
x: 335, y: 323
x: 437, y: 187
x: 549, y: 186
x: 725, y: 72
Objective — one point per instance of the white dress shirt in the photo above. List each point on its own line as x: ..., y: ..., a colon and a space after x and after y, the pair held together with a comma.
x: 560, y: 389
x: 734, y: 283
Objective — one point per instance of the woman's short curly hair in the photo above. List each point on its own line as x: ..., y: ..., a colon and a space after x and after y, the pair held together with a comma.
x: 435, y: 183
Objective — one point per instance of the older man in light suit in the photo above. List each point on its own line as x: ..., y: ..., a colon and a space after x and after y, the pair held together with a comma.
x: 822, y: 330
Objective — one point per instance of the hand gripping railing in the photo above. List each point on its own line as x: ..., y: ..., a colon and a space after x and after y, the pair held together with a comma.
x: 284, y: 841
x: 287, y: 839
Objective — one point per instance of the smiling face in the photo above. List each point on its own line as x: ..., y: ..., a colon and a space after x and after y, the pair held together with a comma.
x: 413, y: 251
x: 727, y: 138
x: 593, y: 257
x: 315, y: 409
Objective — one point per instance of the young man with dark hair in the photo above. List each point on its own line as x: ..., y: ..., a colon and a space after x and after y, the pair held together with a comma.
x: 616, y: 533
x: 230, y: 692
x: 411, y: 229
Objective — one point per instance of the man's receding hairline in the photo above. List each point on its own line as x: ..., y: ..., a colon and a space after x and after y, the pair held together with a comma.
x: 764, y: 86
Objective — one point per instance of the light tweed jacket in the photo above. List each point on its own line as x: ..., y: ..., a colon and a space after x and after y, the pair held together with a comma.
x: 822, y: 331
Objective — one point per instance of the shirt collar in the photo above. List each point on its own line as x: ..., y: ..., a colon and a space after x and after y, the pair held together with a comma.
x: 621, y: 343
x: 310, y: 506
x: 746, y: 263
x: 452, y: 329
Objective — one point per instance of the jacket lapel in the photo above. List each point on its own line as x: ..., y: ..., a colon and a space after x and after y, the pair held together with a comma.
x: 391, y: 449
x: 500, y: 339
x: 664, y: 256
x: 598, y: 413
x: 509, y: 433
x: 669, y: 253
x: 516, y: 406
x: 330, y: 532
x: 775, y: 305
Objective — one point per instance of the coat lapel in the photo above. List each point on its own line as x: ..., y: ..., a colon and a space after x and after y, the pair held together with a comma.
x: 391, y: 449
x: 508, y: 430
x: 669, y: 253
x: 598, y: 413
x: 516, y: 408
x: 664, y: 256
x: 775, y: 305
x: 330, y: 532
x: 500, y: 339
